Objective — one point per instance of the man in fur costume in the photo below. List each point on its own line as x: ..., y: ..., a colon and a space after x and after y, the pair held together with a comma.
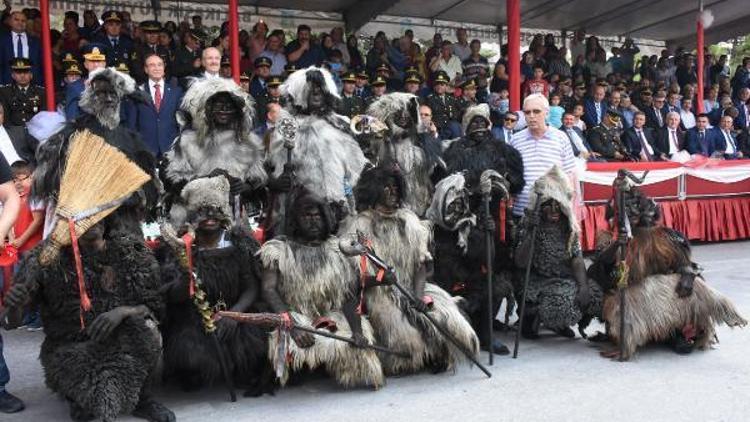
x: 558, y: 293
x: 666, y: 299
x: 217, y: 138
x: 476, y: 152
x: 417, y: 155
x: 307, y: 276
x: 401, y: 239
x: 101, y: 102
x: 326, y: 158
x: 460, y: 249
x: 223, y: 259
x: 102, y: 370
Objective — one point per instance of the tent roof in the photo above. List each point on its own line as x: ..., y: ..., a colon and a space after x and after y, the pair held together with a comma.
x: 664, y: 20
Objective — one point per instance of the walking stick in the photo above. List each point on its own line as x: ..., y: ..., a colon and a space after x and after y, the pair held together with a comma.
x: 353, y: 247
x: 527, y: 274
x: 269, y: 320
x: 288, y: 129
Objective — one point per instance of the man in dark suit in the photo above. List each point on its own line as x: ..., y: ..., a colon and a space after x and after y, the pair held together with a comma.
x: 17, y: 43
x: 187, y: 57
x: 156, y: 118
x: 117, y: 47
x: 743, y: 143
x: 729, y: 144
x: 505, y: 132
x: 656, y: 115
x: 670, y: 139
x: 640, y: 140
x: 594, y: 107
x: 702, y: 140
x: 743, y: 119
x: 579, y: 144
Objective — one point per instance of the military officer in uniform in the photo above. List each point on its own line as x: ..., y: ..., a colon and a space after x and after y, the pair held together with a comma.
x: 606, y: 138
x: 289, y: 69
x: 379, y: 88
x: 362, y: 90
x: 444, y: 108
x: 92, y: 59
x: 351, y: 103
x: 21, y: 101
x: 272, y: 94
x: 122, y: 67
x: 187, y: 58
x: 151, y: 30
x: 245, y: 79
x: 116, y: 46
x: 468, y: 97
x: 412, y: 83
x: 262, y: 72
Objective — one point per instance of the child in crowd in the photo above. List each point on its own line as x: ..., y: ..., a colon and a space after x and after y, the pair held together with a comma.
x: 578, y: 112
x: 554, y: 117
x: 28, y: 227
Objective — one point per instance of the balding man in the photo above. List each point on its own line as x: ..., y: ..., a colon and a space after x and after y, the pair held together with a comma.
x: 670, y: 140
x: 211, y: 62
x: 541, y: 147
x: 17, y: 43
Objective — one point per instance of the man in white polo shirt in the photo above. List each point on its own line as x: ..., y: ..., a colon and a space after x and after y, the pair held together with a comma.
x: 540, y: 146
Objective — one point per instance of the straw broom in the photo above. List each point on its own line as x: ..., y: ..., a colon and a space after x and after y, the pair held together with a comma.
x: 97, y: 179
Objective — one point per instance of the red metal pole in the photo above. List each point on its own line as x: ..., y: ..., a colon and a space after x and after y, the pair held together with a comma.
x: 699, y: 49
x: 234, y: 39
x: 513, y: 12
x: 49, y: 79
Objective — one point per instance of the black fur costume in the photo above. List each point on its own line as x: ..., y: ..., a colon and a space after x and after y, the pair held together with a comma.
x: 52, y: 154
x: 189, y: 355
x: 102, y: 379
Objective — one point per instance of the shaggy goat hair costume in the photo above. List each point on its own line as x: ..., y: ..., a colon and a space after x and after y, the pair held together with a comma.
x: 316, y: 281
x: 201, y: 149
x: 227, y: 272
x: 416, y: 154
x: 102, y: 121
x: 403, y: 240
x: 326, y: 157
x: 102, y: 378
x: 552, y: 287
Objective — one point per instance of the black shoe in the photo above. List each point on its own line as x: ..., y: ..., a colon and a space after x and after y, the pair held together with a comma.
x: 566, y: 332
x: 498, y: 348
x: 10, y: 403
x: 153, y: 411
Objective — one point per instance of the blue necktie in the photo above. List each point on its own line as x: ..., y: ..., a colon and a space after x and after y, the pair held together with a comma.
x: 702, y: 138
x: 19, y: 47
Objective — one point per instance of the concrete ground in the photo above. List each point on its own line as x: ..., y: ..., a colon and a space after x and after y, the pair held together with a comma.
x: 553, y: 379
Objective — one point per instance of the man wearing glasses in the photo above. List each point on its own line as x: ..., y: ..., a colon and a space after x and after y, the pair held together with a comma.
x: 505, y: 132
x: 541, y: 147
x: 656, y: 115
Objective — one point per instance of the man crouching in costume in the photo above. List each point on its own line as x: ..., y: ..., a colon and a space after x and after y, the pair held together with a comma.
x: 325, y: 158
x: 401, y: 239
x: 460, y: 249
x: 100, y: 103
x: 307, y: 276
x: 559, y: 294
x: 666, y: 299
x: 417, y: 155
x: 227, y: 275
x: 217, y: 138
x: 103, y: 370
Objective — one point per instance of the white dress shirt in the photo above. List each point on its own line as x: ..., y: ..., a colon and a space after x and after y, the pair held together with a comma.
x: 729, y: 141
x: 674, y: 148
x: 644, y: 141
x: 151, y: 84
x: 24, y: 42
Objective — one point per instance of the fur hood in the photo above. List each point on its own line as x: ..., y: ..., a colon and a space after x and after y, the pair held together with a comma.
x: 446, y: 191
x: 556, y: 185
x: 481, y: 110
x: 389, y: 105
x: 193, y: 108
x: 296, y: 86
x: 207, y: 191
x: 124, y: 86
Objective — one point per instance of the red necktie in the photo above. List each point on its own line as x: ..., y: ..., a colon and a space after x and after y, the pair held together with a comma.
x: 157, y: 97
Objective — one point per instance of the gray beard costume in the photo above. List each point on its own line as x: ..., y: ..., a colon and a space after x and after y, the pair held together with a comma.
x: 402, y: 240
x: 315, y: 281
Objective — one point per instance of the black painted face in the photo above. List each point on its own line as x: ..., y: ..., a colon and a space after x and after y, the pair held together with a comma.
x: 315, y: 98
x: 476, y: 125
x: 391, y: 197
x: 455, y: 211
x: 208, y: 219
x: 551, y: 212
x: 222, y: 110
x: 403, y: 120
x: 105, y: 93
x: 310, y: 223
x: 92, y: 240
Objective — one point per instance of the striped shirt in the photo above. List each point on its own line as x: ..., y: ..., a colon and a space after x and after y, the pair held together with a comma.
x: 539, y: 155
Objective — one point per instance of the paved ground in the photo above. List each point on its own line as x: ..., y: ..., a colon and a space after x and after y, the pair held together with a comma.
x: 553, y: 379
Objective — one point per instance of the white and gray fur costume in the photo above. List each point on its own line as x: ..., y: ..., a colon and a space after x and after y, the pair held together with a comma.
x: 327, y: 158
x: 402, y: 240
x: 406, y: 148
x: 315, y: 281
x: 197, y: 152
